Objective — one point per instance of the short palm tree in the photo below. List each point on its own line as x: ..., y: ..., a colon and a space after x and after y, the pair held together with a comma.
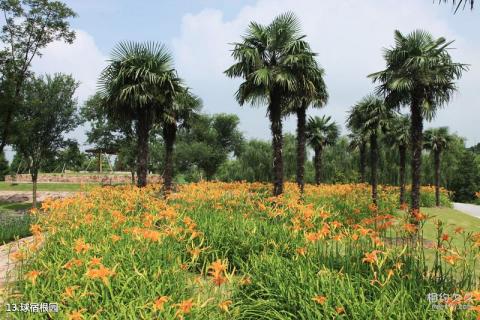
x: 269, y: 59
x: 179, y: 113
x: 398, y: 136
x: 371, y: 116
x: 437, y: 141
x: 137, y: 85
x: 419, y: 73
x: 358, y: 141
x: 320, y: 132
x: 312, y: 91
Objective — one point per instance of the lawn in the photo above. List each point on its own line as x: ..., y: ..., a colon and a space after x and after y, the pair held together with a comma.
x: 452, y: 219
x: 6, y: 186
x: 231, y: 251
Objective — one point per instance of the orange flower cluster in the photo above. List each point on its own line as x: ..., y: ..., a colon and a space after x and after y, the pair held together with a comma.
x: 217, y: 270
x: 100, y: 273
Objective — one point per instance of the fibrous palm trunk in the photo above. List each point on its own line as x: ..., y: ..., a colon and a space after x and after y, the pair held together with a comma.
x: 317, y: 159
x: 437, y: 177
x: 169, y: 135
x: 416, y: 132
x: 374, y: 166
x: 143, y: 130
x: 277, y: 144
x: 34, y: 174
x: 402, y: 150
x: 363, y: 165
x: 301, y: 120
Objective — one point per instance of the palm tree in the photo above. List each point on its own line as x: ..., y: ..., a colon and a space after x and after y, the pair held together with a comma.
x: 312, y: 91
x: 179, y: 113
x: 320, y: 133
x: 437, y: 140
x: 137, y: 85
x: 398, y: 135
x: 460, y: 2
x: 269, y: 59
x: 370, y: 116
x: 419, y: 73
x: 358, y: 141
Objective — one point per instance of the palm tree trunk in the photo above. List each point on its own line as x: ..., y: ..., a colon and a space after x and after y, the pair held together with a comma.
x: 437, y: 177
x: 301, y: 120
x: 277, y: 144
x: 169, y: 135
x: 318, y: 164
x: 374, y: 166
x: 416, y: 132
x: 143, y: 130
x: 363, y: 165
x: 402, y: 150
x: 34, y: 174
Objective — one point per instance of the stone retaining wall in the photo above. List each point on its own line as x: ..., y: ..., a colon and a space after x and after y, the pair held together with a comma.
x: 88, y: 178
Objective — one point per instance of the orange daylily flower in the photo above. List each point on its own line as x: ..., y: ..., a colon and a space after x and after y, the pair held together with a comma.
x: 81, y: 246
x: 75, y: 315
x: 160, y: 302
x: 319, y: 299
x: 32, y: 276
x: 224, y: 305
x: 100, y: 273
x: 185, y: 306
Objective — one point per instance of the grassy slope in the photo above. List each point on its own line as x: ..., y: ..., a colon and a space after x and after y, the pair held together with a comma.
x: 451, y: 219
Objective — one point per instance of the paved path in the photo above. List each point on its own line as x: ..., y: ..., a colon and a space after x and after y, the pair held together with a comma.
x: 467, y: 208
x: 24, y: 196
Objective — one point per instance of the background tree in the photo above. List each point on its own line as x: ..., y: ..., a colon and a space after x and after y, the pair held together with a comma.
x: 467, y: 180
x: 139, y: 84
x: 202, y: 147
x: 371, y: 116
x: 321, y: 132
x: 182, y: 109
x: 47, y: 113
x: 4, y: 167
x: 269, y: 59
x: 311, y: 91
x: 437, y: 140
x: 419, y: 73
x: 398, y: 136
x: 358, y: 141
x: 29, y: 26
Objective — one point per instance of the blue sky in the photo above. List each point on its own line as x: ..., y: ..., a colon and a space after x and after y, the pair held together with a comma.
x: 348, y: 36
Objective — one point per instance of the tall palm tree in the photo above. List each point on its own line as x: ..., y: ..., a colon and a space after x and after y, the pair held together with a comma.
x: 180, y: 112
x: 320, y: 133
x: 459, y: 3
x: 437, y: 141
x: 312, y: 91
x: 371, y: 116
x: 398, y: 136
x: 419, y: 73
x: 269, y: 59
x: 358, y: 141
x: 137, y: 85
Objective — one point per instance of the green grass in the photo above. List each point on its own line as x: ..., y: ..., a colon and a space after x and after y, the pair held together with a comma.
x: 13, y: 227
x: 6, y: 186
x: 14, y: 206
x: 451, y: 219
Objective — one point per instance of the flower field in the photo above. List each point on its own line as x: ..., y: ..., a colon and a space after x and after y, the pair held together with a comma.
x: 229, y: 250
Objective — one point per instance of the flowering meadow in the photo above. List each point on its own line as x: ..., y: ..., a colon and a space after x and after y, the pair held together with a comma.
x: 231, y: 251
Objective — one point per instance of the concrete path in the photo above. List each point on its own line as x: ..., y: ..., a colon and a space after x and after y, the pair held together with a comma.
x: 471, y: 209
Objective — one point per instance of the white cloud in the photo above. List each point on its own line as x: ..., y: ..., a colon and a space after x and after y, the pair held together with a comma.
x: 82, y: 59
x: 348, y: 36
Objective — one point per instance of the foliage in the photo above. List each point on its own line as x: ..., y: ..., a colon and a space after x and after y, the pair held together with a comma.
x: 48, y: 112
x: 466, y: 180
x: 29, y: 26
x: 13, y: 226
x: 218, y: 251
x: 4, y: 167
